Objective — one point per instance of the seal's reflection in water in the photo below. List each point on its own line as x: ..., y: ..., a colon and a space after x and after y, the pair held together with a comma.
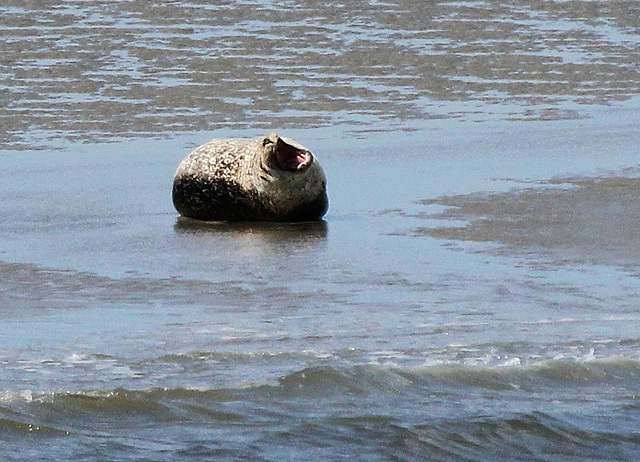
x: 271, y: 231
x: 258, y: 237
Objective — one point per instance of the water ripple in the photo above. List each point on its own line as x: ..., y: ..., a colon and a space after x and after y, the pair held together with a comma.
x: 103, y: 69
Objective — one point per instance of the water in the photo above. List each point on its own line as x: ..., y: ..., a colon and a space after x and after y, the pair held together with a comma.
x: 471, y: 295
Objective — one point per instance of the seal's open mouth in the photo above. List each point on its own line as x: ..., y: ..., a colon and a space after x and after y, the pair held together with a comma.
x: 291, y: 158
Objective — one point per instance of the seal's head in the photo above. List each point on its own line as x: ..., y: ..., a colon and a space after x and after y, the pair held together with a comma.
x: 279, y: 153
x: 289, y: 179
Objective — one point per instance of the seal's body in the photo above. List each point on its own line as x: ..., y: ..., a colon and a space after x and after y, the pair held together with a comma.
x: 267, y: 179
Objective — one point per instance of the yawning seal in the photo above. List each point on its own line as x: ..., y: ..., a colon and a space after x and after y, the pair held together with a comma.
x: 271, y: 179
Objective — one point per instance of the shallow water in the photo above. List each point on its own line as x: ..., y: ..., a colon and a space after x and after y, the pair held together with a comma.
x: 471, y: 295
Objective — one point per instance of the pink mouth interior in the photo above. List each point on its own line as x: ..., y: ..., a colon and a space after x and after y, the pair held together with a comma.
x: 290, y: 158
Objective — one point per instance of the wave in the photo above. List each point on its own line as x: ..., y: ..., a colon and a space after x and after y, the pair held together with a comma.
x: 440, y: 412
x: 364, y: 379
x: 552, y: 373
x: 233, y: 357
x: 522, y: 436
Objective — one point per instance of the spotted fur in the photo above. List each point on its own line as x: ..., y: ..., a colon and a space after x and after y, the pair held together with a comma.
x: 238, y: 179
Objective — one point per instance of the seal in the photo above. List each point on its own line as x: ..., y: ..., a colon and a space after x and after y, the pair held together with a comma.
x: 271, y: 178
